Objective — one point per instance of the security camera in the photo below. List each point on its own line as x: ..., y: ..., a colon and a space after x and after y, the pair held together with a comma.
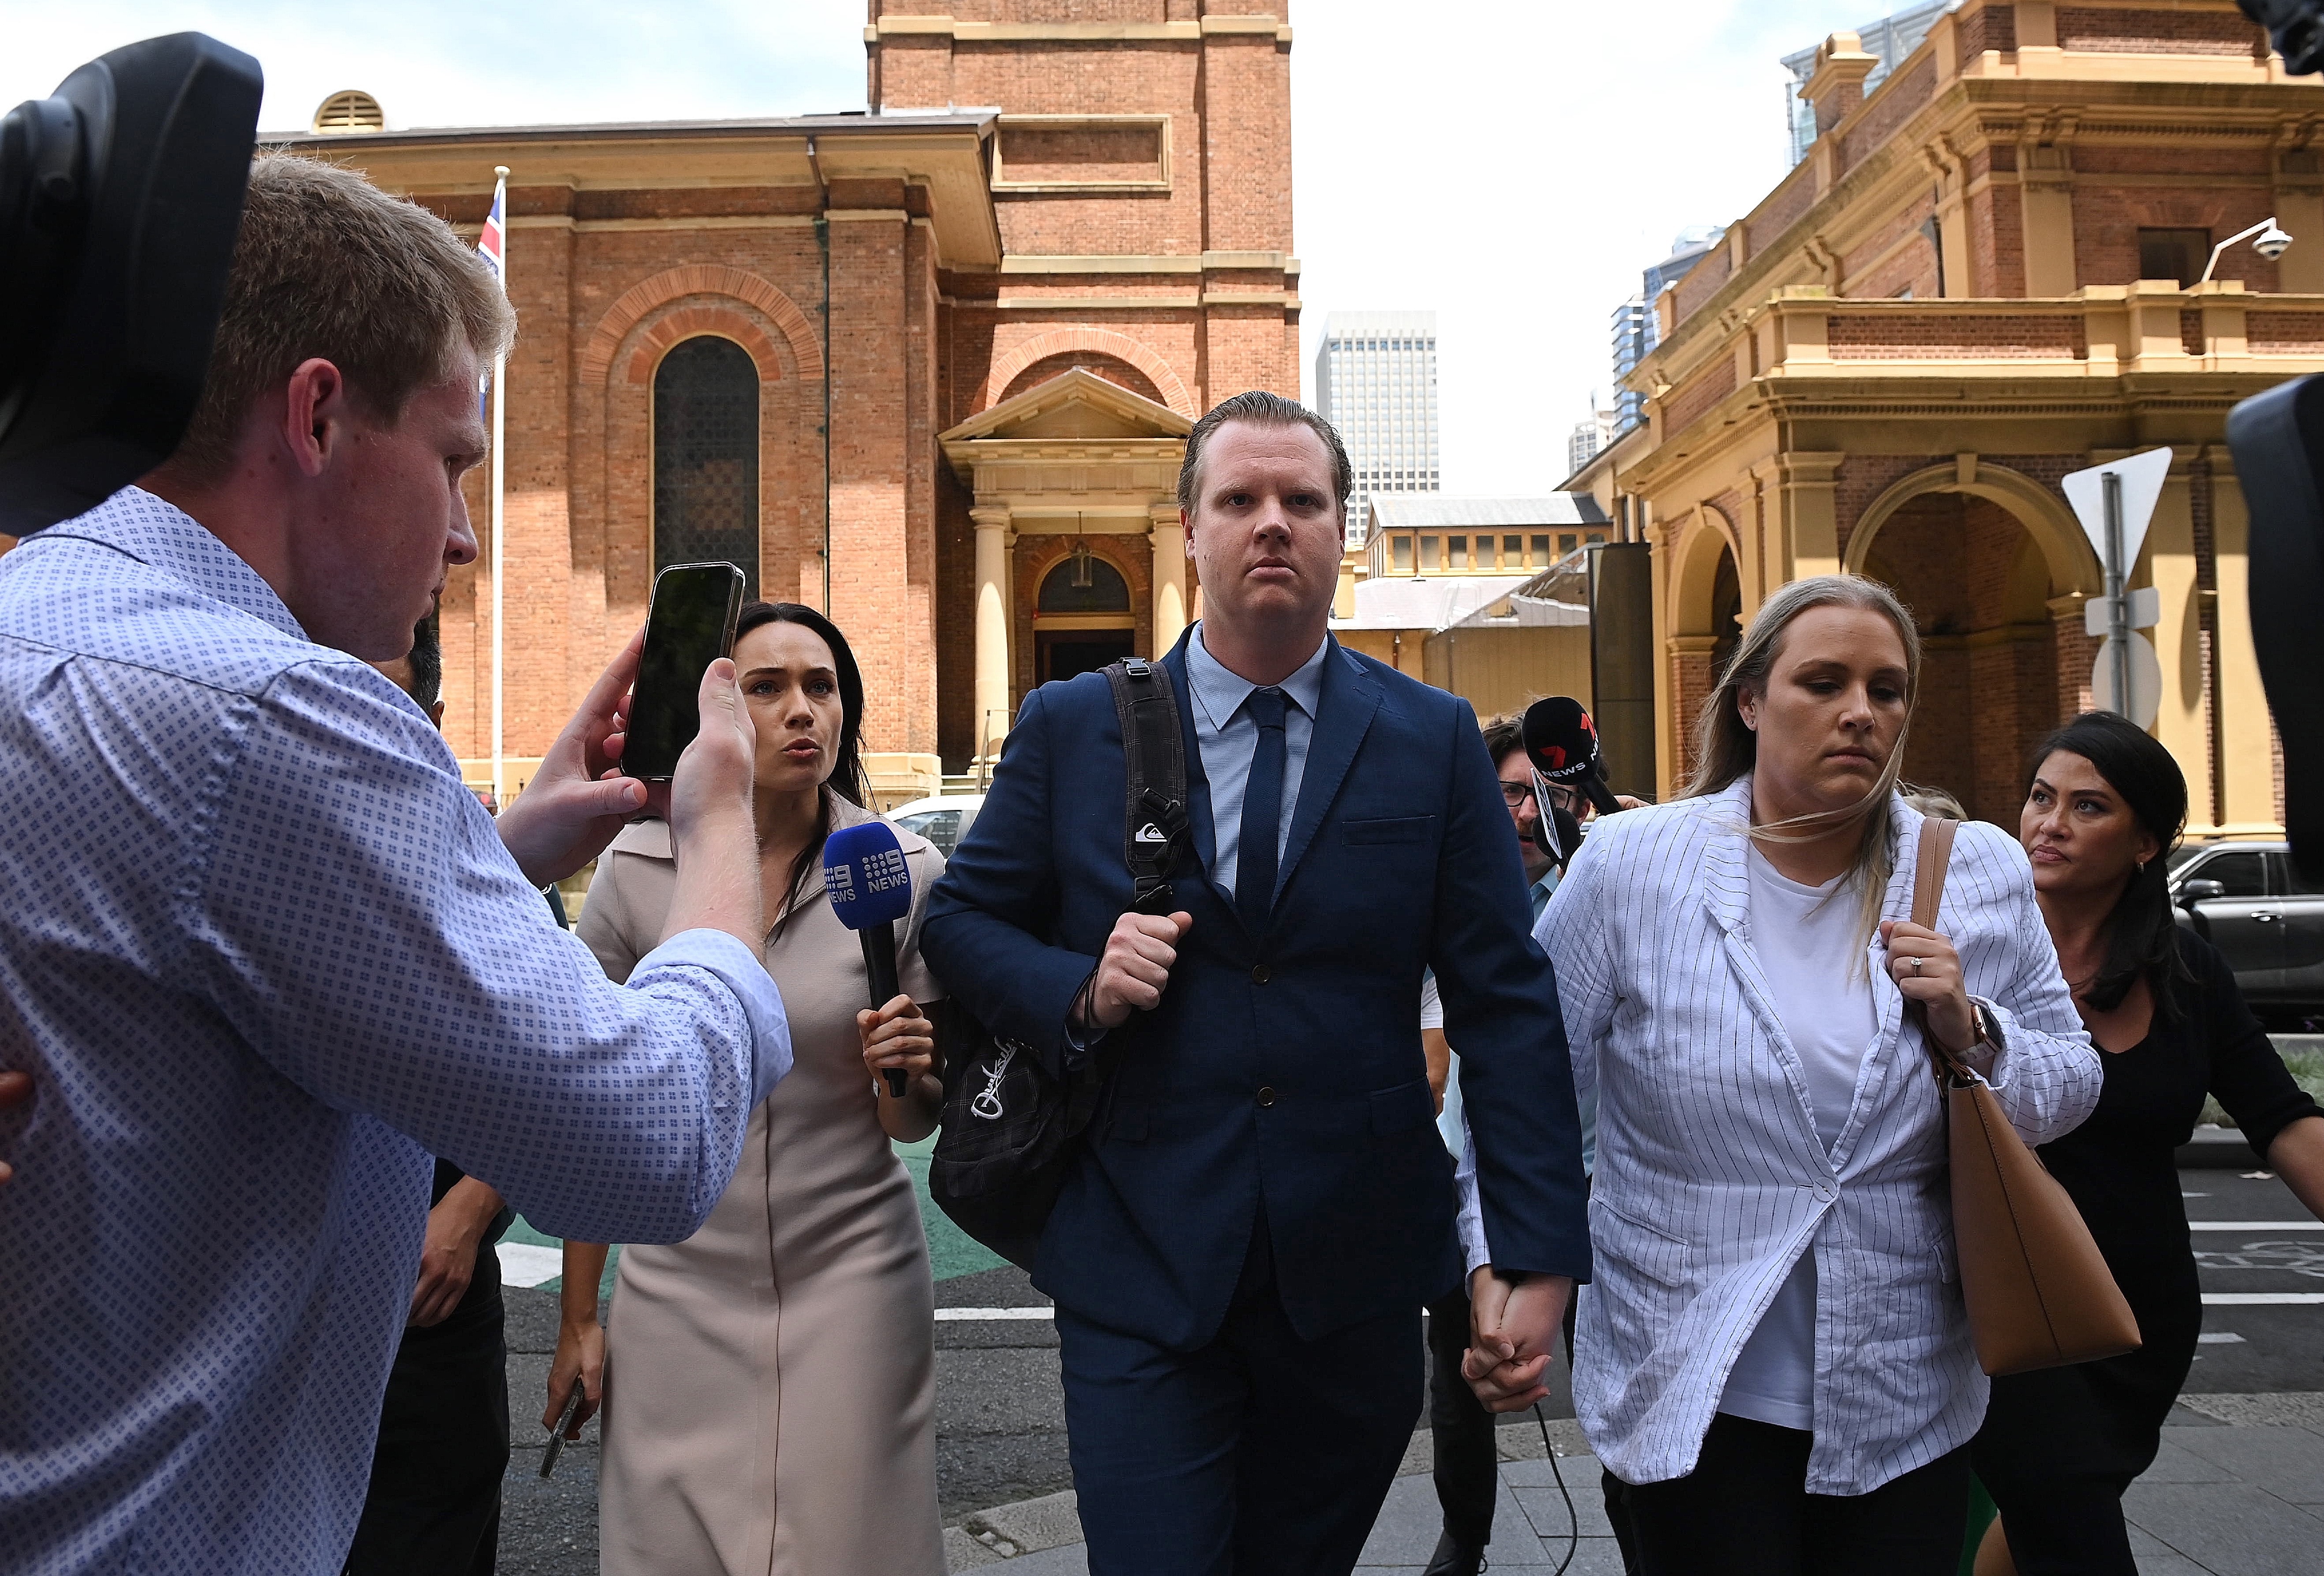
x: 2271, y: 244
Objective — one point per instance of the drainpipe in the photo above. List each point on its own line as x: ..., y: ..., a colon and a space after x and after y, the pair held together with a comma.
x: 823, y: 243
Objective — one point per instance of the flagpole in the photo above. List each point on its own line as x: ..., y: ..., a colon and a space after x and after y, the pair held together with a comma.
x: 499, y: 557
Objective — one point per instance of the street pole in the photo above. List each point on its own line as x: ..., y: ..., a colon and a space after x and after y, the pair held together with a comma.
x: 2117, y: 609
x: 500, y: 558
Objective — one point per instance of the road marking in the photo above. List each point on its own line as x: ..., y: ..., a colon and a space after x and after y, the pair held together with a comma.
x: 2218, y: 1338
x: 528, y: 1264
x: 973, y: 1315
x: 2262, y: 1299
x: 2307, y: 1225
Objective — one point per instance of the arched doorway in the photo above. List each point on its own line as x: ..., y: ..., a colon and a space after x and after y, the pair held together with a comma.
x: 1706, y: 609
x: 1083, y: 618
x: 1978, y: 583
x: 1725, y: 613
x: 706, y: 458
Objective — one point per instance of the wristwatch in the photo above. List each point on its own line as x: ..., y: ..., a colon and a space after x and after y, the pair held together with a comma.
x: 1988, y: 1028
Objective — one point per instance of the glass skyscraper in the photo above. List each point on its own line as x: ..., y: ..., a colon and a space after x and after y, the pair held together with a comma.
x: 1376, y: 381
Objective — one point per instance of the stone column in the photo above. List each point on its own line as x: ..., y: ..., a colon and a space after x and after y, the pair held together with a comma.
x: 1803, y: 515
x: 1169, y: 544
x: 991, y: 721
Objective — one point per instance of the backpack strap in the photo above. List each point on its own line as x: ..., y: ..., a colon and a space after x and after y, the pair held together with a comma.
x: 1154, y: 753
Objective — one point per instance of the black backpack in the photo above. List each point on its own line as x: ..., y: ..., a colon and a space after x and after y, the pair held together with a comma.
x: 1011, y: 1131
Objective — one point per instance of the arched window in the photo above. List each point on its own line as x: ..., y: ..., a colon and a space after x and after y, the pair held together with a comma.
x: 1107, y: 591
x: 705, y: 420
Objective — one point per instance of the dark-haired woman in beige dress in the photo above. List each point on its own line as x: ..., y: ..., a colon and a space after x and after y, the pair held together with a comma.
x: 770, y: 1383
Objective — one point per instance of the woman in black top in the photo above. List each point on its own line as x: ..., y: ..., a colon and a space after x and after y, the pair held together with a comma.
x: 2104, y: 803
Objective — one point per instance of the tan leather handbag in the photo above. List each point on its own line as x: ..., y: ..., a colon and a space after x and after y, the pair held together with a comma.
x: 2039, y: 1293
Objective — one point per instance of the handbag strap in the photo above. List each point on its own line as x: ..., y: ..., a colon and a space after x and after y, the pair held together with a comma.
x: 1929, y: 869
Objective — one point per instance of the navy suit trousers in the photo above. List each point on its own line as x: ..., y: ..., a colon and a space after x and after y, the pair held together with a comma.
x: 1256, y: 1454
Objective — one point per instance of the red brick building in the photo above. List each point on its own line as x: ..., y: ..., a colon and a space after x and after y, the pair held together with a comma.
x: 844, y: 349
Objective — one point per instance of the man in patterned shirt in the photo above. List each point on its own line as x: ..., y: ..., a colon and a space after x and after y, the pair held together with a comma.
x: 263, y: 952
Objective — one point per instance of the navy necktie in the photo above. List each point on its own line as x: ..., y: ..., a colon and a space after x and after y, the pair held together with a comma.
x: 1262, y: 812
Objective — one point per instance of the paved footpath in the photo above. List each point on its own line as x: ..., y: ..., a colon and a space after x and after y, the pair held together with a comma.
x: 2238, y: 1490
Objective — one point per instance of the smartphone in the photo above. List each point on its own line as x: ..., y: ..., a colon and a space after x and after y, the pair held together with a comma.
x: 690, y: 625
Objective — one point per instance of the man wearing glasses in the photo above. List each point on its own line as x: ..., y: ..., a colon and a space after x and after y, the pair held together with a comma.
x: 1467, y: 1471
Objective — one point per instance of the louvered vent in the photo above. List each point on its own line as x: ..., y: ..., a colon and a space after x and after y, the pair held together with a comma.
x: 351, y: 110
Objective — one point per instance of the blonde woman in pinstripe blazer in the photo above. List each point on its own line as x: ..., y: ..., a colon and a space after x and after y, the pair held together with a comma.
x: 1770, y: 1142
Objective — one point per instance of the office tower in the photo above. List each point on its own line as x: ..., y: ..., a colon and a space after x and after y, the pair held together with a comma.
x: 1376, y: 381
x: 1892, y: 37
x: 1635, y: 332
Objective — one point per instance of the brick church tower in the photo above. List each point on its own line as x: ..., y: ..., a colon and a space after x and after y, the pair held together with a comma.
x: 929, y: 366
x: 1141, y: 179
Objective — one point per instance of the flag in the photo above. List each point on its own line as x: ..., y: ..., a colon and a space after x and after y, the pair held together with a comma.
x: 493, y: 246
x: 493, y: 242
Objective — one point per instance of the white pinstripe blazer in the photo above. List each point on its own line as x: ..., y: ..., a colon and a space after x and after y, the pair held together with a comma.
x: 1711, y: 1179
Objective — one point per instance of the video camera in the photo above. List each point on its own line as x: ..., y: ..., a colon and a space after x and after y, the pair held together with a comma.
x: 120, y: 196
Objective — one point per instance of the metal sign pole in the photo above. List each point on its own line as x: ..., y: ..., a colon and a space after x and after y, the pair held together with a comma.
x: 2118, y: 611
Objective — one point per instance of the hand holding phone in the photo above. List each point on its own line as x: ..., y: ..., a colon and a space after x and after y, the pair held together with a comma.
x: 690, y: 626
x: 556, y: 1434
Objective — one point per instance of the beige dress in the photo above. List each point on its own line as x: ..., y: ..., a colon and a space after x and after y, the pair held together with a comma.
x: 771, y: 1381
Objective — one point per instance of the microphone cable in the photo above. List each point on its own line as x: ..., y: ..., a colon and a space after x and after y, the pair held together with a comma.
x: 1573, y: 1519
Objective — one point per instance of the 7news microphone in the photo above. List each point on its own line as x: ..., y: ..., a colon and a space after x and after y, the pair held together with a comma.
x: 870, y: 888
x: 1561, y: 743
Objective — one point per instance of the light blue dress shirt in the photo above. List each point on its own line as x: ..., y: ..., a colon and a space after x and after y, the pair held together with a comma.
x: 1227, y: 738
x: 1451, y: 1123
x: 263, y: 953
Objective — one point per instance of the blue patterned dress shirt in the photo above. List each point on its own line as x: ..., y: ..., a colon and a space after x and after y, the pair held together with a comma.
x: 263, y: 953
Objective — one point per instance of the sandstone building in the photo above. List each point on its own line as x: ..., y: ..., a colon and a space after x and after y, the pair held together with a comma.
x: 929, y: 365
x: 1983, y: 276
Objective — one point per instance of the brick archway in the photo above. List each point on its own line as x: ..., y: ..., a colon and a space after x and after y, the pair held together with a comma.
x: 2073, y: 566
x: 667, y: 333
x: 1104, y: 341
x: 1980, y: 563
x: 1705, y: 542
x: 1037, y: 554
x: 618, y: 379
x: 701, y: 279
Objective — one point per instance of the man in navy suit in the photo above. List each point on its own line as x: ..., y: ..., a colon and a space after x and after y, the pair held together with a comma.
x: 1261, y: 1207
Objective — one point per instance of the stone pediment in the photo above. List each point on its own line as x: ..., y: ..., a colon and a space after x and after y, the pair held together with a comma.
x: 1075, y: 441
x: 1075, y: 404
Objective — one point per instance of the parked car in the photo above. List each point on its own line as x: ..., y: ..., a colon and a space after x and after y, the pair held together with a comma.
x: 943, y: 820
x: 2249, y: 899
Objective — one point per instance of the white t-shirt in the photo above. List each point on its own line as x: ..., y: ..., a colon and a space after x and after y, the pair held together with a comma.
x: 1818, y: 975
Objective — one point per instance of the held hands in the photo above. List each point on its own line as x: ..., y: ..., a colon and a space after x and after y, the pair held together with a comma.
x: 1513, y: 1330
x: 897, y: 1036
x: 1134, y: 966
x: 1928, y: 971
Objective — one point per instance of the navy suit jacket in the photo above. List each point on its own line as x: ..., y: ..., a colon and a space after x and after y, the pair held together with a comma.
x: 1282, y: 1068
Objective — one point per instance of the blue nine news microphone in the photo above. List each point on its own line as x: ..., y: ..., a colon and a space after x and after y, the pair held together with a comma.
x: 870, y: 888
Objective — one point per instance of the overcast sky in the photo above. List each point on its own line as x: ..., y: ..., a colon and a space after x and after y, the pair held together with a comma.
x: 1510, y: 164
